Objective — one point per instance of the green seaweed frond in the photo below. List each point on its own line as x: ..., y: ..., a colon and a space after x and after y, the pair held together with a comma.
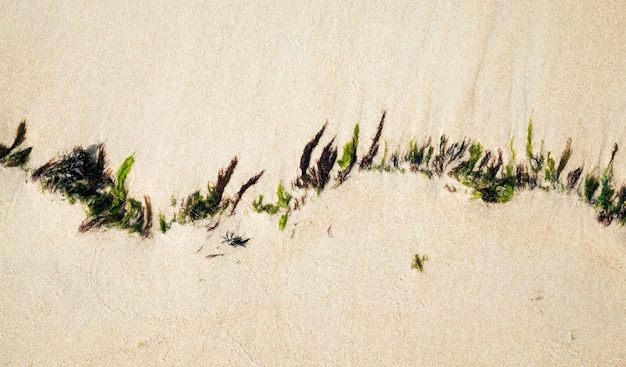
x: 388, y: 163
x: 483, y: 175
x: 122, y: 173
x: 590, y: 187
x: 418, y: 262
x: 413, y: 156
x: 536, y: 161
x: 282, y: 204
x: 164, y: 225
x: 607, y: 191
x: 259, y: 207
x: 604, y: 203
x: 495, y: 193
x: 552, y: 172
x: 383, y: 165
x: 113, y: 207
x: 282, y: 222
x: 348, y: 157
x: 510, y: 167
x: 283, y: 196
x: 282, y: 201
x: 419, y: 157
x: 529, y: 140
x: 466, y: 167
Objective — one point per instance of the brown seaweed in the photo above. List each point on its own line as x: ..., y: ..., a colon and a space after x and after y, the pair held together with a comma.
x: 305, y: 180
x: 252, y: 181
x: 366, y: 161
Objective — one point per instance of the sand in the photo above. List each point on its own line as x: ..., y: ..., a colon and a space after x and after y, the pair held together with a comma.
x: 185, y: 87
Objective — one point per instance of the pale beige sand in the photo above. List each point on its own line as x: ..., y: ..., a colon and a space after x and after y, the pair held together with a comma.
x: 185, y: 87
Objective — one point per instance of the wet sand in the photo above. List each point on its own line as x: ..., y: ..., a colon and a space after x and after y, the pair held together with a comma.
x: 534, y: 281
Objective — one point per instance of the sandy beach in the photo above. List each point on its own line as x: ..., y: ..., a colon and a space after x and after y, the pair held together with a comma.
x: 187, y: 86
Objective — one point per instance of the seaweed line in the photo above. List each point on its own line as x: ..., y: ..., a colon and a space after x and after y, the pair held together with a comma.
x: 83, y: 175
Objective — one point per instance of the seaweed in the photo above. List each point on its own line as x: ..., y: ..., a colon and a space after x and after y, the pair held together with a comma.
x: 223, y: 178
x: 20, y: 135
x: 494, y: 166
x: 447, y: 154
x: 510, y: 167
x: 383, y: 165
x: 494, y: 193
x: 115, y: 209
x: 282, y: 203
x: 484, y: 177
x: 164, y: 225
x: 466, y: 168
x: 367, y: 160
x: 573, y: 176
x: 348, y: 158
x: 590, y: 186
x: 304, y: 180
x: 321, y: 175
x: 317, y: 176
x: 419, y: 158
x: 83, y: 176
x: 17, y: 159
x: 565, y: 156
x: 282, y: 222
x: 604, y: 201
x: 8, y: 157
x: 197, y: 206
x: 251, y: 182
x: 536, y: 161
x: 418, y: 262
x: 552, y: 173
x: 388, y: 165
x: 529, y: 140
x: 620, y: 206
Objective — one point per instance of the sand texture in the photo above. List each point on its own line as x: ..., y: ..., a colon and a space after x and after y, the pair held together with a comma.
x: 186, y: 86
